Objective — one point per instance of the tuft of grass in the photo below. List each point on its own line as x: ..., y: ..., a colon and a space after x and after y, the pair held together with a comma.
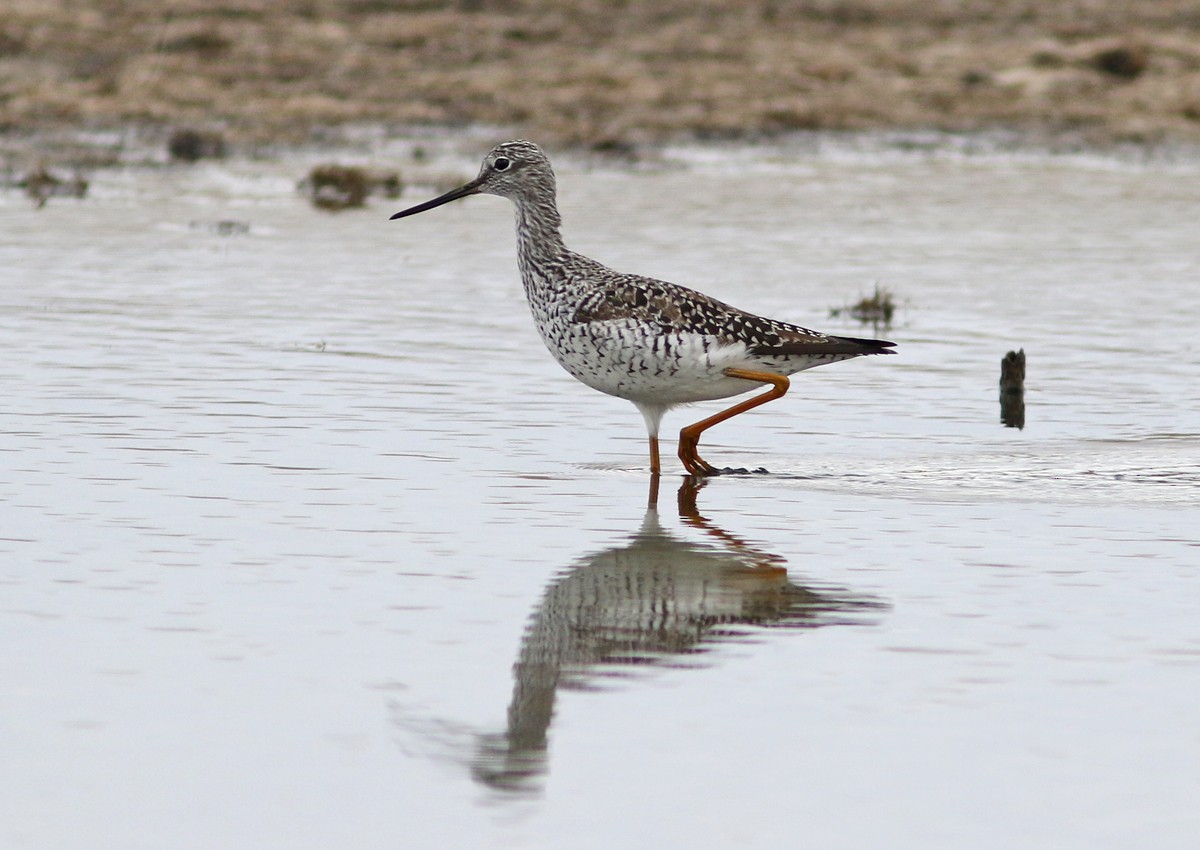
x: 876, y: 308
x: 339, y: 187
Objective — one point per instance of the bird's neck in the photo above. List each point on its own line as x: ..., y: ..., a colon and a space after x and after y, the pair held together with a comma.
x: 539, y: 242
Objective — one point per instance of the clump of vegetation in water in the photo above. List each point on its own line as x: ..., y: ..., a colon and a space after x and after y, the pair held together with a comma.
x: 340, y: 187
x: 876, y: 308
x: 41, y: 184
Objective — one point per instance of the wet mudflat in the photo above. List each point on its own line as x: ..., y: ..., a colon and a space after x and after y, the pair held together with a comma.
x: 307, y: 541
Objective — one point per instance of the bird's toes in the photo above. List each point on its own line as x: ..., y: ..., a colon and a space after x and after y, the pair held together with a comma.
x: 740, y: 470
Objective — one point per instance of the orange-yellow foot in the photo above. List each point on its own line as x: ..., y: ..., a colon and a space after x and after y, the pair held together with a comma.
x: 689, y: 443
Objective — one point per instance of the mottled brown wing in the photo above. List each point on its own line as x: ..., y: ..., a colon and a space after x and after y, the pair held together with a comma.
x: 675, y: 307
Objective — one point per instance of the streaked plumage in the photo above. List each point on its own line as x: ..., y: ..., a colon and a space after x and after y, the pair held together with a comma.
x: 654, y: 343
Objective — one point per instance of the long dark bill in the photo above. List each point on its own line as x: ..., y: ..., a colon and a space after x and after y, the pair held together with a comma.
x: 471, y: 188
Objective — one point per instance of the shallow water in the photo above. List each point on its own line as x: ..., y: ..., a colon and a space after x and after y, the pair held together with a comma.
x: 307, y: 542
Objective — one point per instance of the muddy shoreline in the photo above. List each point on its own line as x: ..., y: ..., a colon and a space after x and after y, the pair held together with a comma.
x: 600, y: 75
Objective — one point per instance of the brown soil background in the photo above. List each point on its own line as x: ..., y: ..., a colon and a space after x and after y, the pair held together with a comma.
x: 606, y: 74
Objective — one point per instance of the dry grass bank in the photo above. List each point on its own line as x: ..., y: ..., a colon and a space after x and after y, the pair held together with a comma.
x: 590, y: 72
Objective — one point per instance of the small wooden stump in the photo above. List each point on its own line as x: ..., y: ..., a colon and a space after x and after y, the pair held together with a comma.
x: 1012, y: 389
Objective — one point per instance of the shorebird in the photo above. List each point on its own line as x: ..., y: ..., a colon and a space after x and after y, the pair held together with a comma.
x: 654, y: 343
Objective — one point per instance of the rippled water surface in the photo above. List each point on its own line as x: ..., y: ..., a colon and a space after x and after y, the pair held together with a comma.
x: 308, y: 543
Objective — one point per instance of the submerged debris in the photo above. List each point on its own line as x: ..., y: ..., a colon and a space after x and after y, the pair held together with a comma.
x: 877, y: 308
x: 339, y: 187
x: 1012, y: 389
x: 222, y: 227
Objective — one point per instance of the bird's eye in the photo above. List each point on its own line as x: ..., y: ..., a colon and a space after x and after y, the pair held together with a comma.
x: 501, y: 164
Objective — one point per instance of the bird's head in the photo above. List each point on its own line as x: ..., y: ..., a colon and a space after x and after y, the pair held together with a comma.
x: 517, y: 170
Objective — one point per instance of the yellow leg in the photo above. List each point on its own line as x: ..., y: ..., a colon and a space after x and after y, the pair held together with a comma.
x: 689, y: 437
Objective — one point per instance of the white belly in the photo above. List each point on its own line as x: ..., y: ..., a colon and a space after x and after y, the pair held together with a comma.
x: 634, y: 364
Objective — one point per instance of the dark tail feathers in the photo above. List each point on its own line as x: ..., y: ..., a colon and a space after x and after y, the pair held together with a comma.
x: 831, y: 345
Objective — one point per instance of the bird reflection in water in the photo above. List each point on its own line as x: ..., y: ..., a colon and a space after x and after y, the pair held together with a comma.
x: 654, y: 600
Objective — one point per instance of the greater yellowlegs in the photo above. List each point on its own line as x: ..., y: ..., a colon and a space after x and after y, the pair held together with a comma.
x: 654, y: 343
